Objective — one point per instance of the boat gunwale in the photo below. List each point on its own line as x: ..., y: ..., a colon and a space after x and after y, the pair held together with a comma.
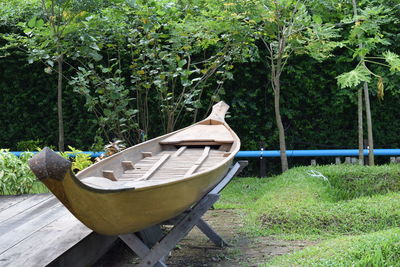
x: 236, y: 142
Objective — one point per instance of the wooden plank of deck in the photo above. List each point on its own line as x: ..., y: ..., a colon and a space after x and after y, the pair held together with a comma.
x: 29, y: 213
x: 45, y: 233
x: 13, y: 235
x: 23, y: 205
x: 48, y: 243
x: 8, y: 201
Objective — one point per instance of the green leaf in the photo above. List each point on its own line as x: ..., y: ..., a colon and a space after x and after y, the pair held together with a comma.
x: 181, y: 63
x: 39, y: 23
x: 32, y: 22
x: 393, y: 60
x: 317, y: 19
x: 94, y: 47
x: 354, y: 77
x: 95, y: 56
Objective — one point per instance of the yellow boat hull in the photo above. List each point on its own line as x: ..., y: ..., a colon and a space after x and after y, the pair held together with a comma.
x: 158, y: 197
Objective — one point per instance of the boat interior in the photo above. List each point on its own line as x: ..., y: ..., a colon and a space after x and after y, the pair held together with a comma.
x: 176, y: 156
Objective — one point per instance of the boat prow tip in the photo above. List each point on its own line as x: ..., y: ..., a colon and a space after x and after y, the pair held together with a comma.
x: 48, y: 164
x: 219, y: 111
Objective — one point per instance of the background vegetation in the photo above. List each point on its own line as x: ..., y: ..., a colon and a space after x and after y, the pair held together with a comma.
x: 125, y: 61
x: 16, y: 177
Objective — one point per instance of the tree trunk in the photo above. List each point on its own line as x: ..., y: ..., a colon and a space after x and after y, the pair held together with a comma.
x: 59, y: 104
x: 170, y: 122
x: 360, y: 114
x: 360, y: 128
x: 371, y: 156
x: 281, y: 129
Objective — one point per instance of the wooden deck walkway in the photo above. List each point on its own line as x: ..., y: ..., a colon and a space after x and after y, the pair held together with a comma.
x: 37, y: 230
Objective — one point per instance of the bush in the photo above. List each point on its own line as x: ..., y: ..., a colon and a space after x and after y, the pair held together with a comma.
x: 79, y: 160
x: 15, y: 176
x: 29, y: 145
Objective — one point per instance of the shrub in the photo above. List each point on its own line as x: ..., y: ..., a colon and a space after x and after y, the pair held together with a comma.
x: 29, y: 145
x: 79, y: 160
x: 15, y: 176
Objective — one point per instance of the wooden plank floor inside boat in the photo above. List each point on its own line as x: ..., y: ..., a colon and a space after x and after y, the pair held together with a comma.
x: 166, y: 165
x: 175, y: 166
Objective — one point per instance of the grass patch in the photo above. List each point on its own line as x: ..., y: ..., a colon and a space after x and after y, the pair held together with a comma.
x: 352, y: 181
x: 38, y: 188
x: 242, y: 192
x: 375, y: 249
x: 295, y: 205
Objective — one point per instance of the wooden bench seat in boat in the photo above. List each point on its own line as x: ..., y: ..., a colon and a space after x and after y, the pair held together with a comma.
x: 201, y: 135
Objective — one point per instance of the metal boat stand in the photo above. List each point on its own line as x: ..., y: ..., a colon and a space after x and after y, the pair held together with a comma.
x: 152, y: 246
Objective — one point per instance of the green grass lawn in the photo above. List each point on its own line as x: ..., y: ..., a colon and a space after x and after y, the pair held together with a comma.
x: 381, y: 248
x: 353, y: 207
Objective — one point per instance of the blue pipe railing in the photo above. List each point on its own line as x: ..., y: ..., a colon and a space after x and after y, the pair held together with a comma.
x: 290, y: 153
x: 91, y: 153
x: 316, y: 153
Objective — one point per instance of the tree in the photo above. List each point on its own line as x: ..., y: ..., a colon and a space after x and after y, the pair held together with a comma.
x: 176, y: 48
x: 365, y: 38
x: 170, y: 52
x: 286, y: 27
x: 50, y: 37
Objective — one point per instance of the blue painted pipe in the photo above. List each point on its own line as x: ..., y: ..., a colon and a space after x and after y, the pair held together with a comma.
x: 290, y: 153
x: 92, y: 154
x: 316, y: 153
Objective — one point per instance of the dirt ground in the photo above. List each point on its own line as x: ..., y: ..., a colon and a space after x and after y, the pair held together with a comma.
x: 196, y: 250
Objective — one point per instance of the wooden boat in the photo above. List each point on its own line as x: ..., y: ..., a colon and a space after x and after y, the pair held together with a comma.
x: 145, y: 184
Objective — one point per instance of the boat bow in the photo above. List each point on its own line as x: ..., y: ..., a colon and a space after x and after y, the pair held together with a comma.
x: 51, y: 169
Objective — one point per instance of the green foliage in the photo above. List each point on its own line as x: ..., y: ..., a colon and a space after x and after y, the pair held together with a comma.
x: 365, y: 39
x: 166, y: 59
x: 12, y: 10
x: 366, y: 30
x: 109, y: 100
x: 55, y: 32
x: 79, y: 160
x: 219, y: 37
x: 15, y: 176
x: 375, y: 249
x: 287, y: 27
x: 29, y: 111
x: 29, y: 145
x: 393, y: 60
x: 354, y: 77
